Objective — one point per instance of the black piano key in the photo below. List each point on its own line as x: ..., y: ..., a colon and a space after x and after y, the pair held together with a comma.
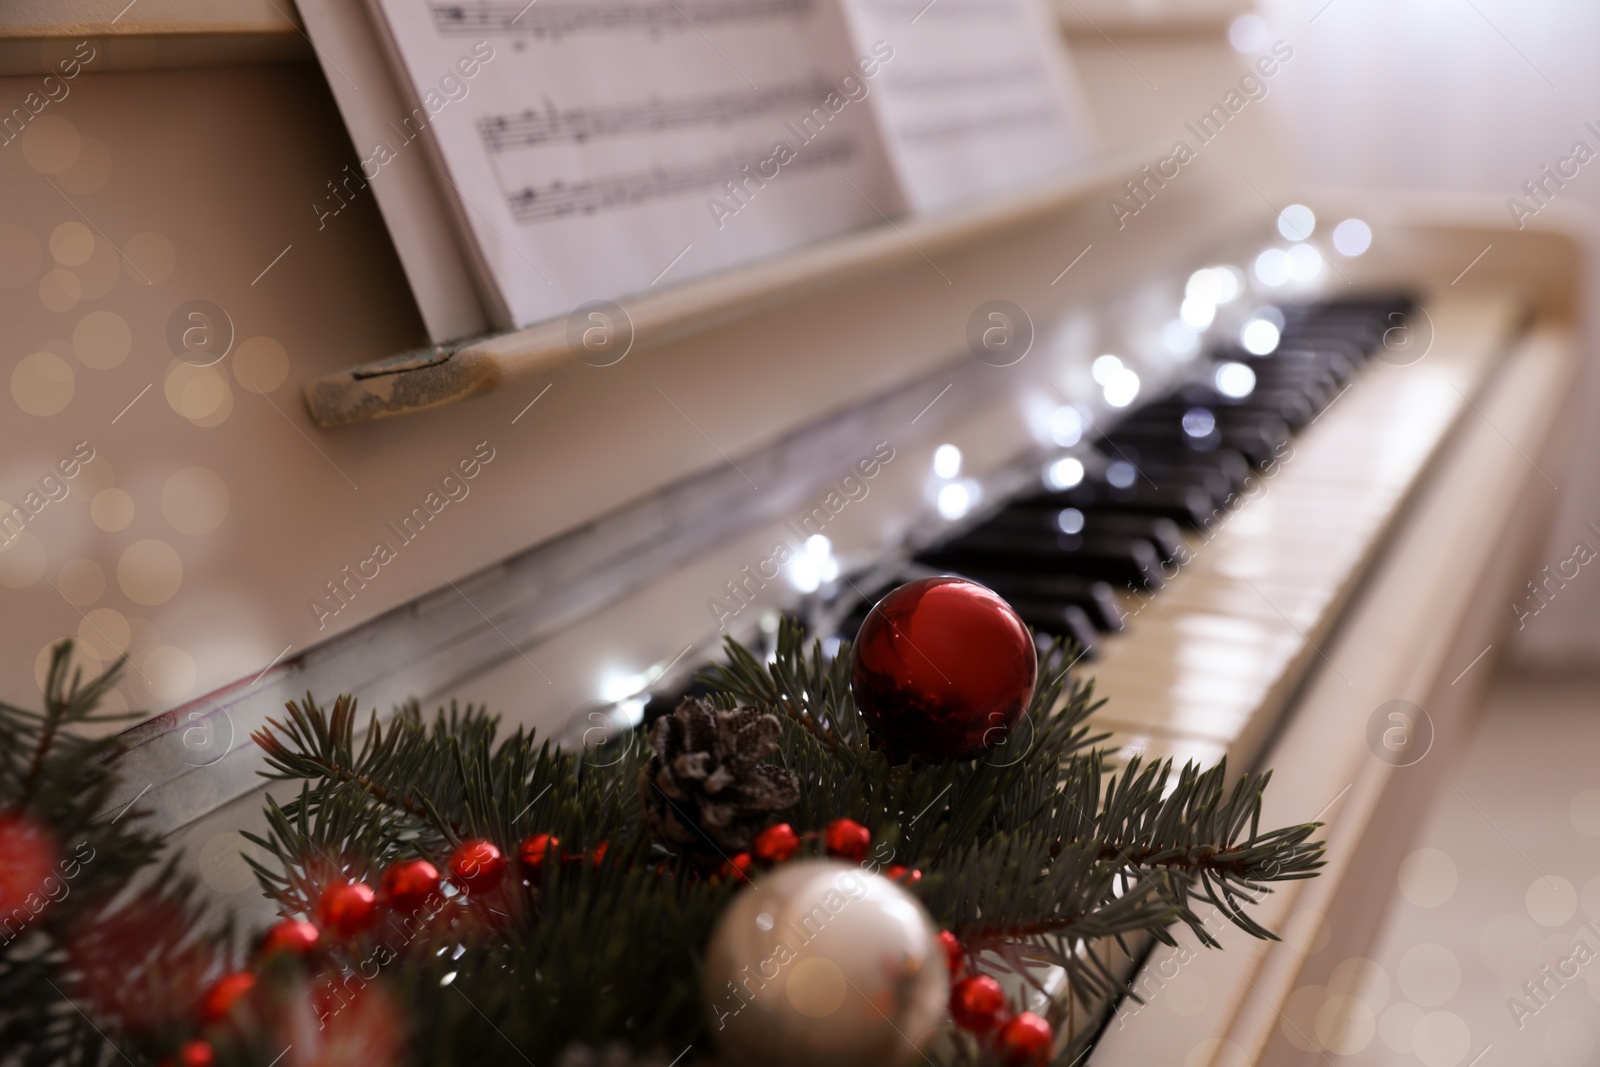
x: 1121, y: 560
x: 1183, y: 504
x: 1184, y: 467
x: 1096, y: 598
x: 1162, y: 533
x: 1342, y: 362
x: 1213, y: 481
x: 1292, y: 406
x: 1059, y: 620
x: 1260, y: 443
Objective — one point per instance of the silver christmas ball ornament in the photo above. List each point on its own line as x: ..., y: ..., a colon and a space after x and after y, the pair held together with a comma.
x: 823, y: 962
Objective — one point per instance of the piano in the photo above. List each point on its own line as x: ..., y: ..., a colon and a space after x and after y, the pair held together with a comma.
x: 1277, y: 493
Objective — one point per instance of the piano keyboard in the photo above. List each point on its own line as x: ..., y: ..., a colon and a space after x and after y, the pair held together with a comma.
x: 1203, y: 590
x: 1207, y: 542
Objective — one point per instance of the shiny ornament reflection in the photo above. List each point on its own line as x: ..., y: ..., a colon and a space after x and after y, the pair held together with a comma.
x: 822, y: 962
x: 942, y: 668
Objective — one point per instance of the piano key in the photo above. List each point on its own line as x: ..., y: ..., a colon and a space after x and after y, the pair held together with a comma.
x: 1163, y: 534
x: 1095, y: 598
x: 1115, y: 559
x: 1308, y: 355
x: 1186, y: 505
x: 1301, y: 604
x: 1055, y: 619
x: 1258, y: 443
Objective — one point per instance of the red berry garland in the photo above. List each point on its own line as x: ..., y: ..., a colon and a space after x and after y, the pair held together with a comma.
x: 1025, y: 1040
x: 776, y: 844
x: 27, y: 860
x: 407, y: 885
x: 943, y: 669
x: 738, y: 868
x: 904, y: 875
x: 224, y: 993
x: 294, y: 937
x: 953, y: 952
x: 196, y: 1054
x: 477, y: 865
x: 848, y: 840
x: 535, y: 848
x: 348, y: 908
x: 977, y: 1003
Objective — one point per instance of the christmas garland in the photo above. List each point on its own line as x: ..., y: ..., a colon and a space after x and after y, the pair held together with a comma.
x: 898, y: 850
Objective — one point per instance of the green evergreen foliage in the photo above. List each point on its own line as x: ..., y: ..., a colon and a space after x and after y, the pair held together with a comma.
x: 1039, y: 854
x: 93, y: 963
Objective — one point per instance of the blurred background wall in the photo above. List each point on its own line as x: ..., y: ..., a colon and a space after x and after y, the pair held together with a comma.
x: 1472, y: 96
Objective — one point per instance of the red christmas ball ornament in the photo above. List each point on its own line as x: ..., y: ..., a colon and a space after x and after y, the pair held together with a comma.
x: 407, y: 885
x: 196, y: 1054
x: 599, y: 855
x: 224, y: 993
x: 295, y: 937
x: 776, y: 844
x: 954, y: 954
x: 943, y: 669
x: 477, y: 864
x: 1025, y: 1040
x: 977, y: 1003
x: 848, y: 840
x: 348, y: 908
x: 535, y: 848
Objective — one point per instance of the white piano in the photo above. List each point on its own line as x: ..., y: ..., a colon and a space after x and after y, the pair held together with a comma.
x: 575, y: 538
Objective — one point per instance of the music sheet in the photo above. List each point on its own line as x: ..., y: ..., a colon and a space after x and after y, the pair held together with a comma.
x: 979, y: 98
x: 596, y: 148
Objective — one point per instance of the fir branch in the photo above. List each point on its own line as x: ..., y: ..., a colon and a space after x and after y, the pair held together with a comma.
x: 749, y: 680
x: 107, y: 952
x: 314, y: 744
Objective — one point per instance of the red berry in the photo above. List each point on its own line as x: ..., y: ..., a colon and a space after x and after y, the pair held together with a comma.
x: 27, y: 859
x: 776, y: 843
x: 737, y: 868
x: 477, y: 864
x: 903, y: 875
x: 848, y: 840
x: 953, y: 952
x: 408, y: 884
x: 535, y: 848
x: 976, y: 1003
x: 196, y: 1054
x: 293, y: 936
x: 600, y: 853
x: 1025, y: 1040
x: 348, y: 908
x: 224, y: 993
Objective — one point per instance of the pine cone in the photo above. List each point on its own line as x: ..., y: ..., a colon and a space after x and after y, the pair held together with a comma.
x: 705, y: 791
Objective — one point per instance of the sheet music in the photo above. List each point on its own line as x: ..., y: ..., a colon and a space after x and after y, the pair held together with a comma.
x: 597, y: 148
x: 979, y: 98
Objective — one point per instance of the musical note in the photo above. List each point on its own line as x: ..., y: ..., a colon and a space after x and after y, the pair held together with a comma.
x: 559, y: 199
x: 533, y: 128
x: 559, y: 19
